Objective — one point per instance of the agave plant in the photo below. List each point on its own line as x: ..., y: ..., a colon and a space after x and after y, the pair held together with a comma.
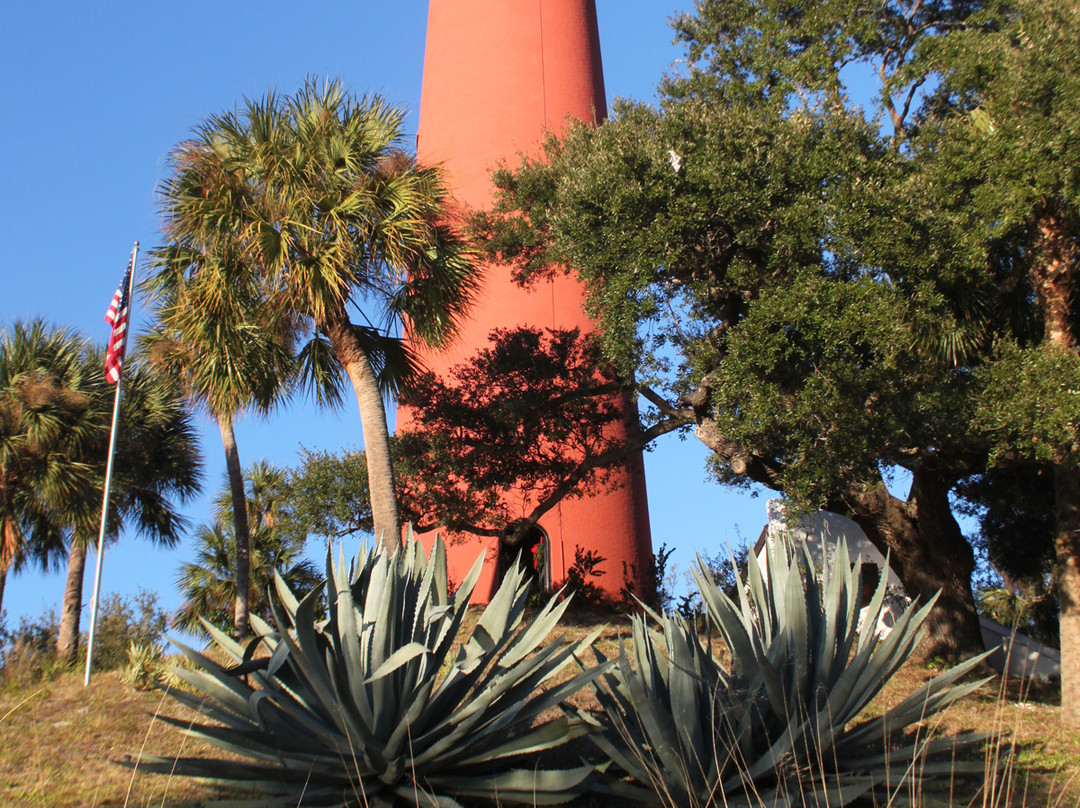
x: 780, y: 724
x: 372, y: 707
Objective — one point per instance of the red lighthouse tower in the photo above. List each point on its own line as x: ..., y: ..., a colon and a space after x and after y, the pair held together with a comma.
x: 498, y: 75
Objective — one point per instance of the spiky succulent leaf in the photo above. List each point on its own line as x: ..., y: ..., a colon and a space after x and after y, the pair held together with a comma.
x: 782, y: 723
x: 361, y: 709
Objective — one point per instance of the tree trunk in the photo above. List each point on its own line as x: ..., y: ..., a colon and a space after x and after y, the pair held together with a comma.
x: 240, y: 528
x: 3, y: 585
x: 929, y: 554
x: 1057, y: 251
x: 357, y: 364
x: 1067, y: 547
x: 925, y: 545
x: 67, y: 640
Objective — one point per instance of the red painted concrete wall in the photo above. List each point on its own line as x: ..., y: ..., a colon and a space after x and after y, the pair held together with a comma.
x: 498, y: 74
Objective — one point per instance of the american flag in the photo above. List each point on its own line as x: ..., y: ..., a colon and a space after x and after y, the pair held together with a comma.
x: 117, y: 317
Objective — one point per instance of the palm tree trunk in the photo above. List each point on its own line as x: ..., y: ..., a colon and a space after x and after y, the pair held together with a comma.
x: 9, y: 542
x: 357, y: 364
x: 240, y: 526
x: 67, y: 640
x: 1057, y: 258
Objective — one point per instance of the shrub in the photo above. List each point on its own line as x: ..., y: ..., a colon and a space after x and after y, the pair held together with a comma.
x: 579, y: 583
x: 145, y: 668
x: 370, y: 707
x: 123, y: 621
x: 781, y: 725
x: 29, y: 650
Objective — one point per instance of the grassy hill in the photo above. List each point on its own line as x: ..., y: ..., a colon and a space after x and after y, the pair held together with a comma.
x: 59, y: 741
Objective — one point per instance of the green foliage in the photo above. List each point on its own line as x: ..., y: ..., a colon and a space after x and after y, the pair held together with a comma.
x: 122, y: 621
x: 328, y: 494
x: 1031, y: 607
x: 55, y: 408
x: 815, y: 282
x: 1032, y: 405
x: 1015, y: 510
x: 782, y: 723
x: 313, y: 201
x: 208, y: 585
x: 371, y: 708
x: 53, y: 418
x: 144, y: 668
x: 662, y: 577
x: 28, y: 651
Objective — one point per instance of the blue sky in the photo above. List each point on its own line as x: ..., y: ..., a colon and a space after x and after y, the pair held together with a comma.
x: 94, y: 95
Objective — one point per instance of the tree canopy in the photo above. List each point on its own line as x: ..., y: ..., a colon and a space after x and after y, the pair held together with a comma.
x: 346, y: 235
x: 810, y: 279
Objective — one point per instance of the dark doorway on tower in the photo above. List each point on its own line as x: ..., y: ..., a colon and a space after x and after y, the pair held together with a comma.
x: 534, y: 550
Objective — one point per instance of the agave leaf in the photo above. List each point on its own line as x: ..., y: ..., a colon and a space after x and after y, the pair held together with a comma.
x: 933, y: 696
x: 839, y: 790
x: 795, y: 628
x: 556, y: 695
x: 298, y: 721
x: 344, y: 630
x: 777, y: 728
x: 464, y: 591
x: 205, y: 707
x: 285, y: 597
x: 227, y: 644
x: 539, y: 628
x: 872, y: 612
x: 228, y: 691
x: 311, y: 667
x: 888, y: 656
x: 520, y: 786
x: 402, y: 656
x: 466, y: 720
x: 384, y: 644
x: 424, y: 597
x: 546, y: 736
x: 418, y: 702
x: 620, y: 752
x: 501, y: 614
x: 514, y: 698
x: 278, y: 658
x: 210, y: 769
x: 685, y: 688
x: 438, y: 564
x: 728, y: 619
x: 926, y: 745
x: 262, y: 629
x: 834, y: 637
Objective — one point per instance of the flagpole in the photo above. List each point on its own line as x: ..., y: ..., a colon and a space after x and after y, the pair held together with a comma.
x: 105, y: 497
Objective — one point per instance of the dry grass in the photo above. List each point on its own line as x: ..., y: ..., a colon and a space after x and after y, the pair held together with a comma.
x: 57, y: 739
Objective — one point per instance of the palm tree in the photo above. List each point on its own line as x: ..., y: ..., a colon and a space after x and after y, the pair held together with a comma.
x: 317, y: 193
x: 55, y: 407
x: 209, y: 584
x: 228, y: 353
x: 50, y: 421
x: 157, y: 465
